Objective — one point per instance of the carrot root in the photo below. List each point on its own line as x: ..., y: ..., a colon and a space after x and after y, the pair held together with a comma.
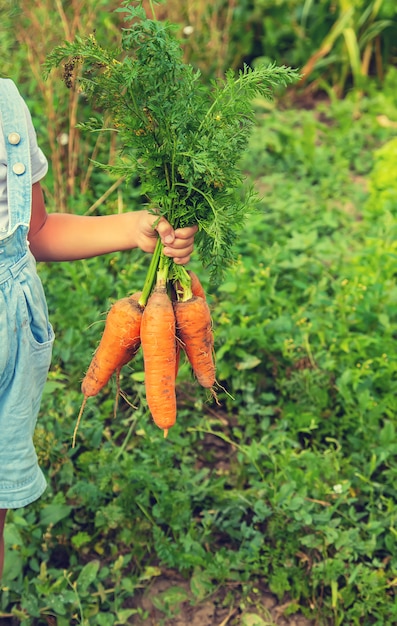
x: 159, y: 356
x: 196, y: 286
x: 194, y: 329
x: 119, y: 343
x: 76, y: 428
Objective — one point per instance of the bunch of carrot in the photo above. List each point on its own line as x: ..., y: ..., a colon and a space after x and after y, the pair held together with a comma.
x: 174, y: 316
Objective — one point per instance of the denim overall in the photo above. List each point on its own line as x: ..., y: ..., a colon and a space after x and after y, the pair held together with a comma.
x: 26, y: 335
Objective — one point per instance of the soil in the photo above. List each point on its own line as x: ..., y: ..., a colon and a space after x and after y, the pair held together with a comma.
x: 225, y: 608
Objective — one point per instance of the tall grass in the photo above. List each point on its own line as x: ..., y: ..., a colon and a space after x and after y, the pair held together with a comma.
x: 31, y: 30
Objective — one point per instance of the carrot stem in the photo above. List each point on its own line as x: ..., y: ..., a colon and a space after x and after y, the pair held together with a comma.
x: 185, y: 293
x: 151, y: 274
x: 163, y: 270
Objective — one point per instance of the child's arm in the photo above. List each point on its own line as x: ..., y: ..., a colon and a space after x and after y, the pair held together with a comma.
x: 67, y: 237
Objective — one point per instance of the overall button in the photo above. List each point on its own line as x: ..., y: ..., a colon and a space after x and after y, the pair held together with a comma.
x: 14, y: 138
x: 18, y: 168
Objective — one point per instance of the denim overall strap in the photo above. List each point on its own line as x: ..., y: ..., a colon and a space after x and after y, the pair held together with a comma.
x: 16, y: 136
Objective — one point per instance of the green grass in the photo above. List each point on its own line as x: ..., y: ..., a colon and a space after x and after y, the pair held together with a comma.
x: 290, y: 480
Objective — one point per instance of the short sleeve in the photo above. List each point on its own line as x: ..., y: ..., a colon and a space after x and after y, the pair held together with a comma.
x: 39, y: 162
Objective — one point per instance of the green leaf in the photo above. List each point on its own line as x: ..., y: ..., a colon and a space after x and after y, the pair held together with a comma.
x: 51, y: 514
x: 105, y: 619
x: 87, y: 575
x: 58, y: 604
x: 30, y: 604
x: 123, y: 616
x: 251, y: 619
x: 249, y: 363
x: 81, y: 539
x: 171, y: 598
x: 200, y: 584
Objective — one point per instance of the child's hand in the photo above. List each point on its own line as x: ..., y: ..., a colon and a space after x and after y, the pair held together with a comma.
x: 178, y: 243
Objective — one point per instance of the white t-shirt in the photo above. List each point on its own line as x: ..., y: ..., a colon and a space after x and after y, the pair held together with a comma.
x: 38, y: 162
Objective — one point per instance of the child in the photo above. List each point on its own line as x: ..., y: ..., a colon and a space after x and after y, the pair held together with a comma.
x: 27, y: 234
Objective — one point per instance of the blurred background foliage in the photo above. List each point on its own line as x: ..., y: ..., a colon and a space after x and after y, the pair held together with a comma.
x: 338, y: 45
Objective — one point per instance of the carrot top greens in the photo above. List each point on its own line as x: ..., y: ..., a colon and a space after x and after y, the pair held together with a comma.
x: 182, y: 138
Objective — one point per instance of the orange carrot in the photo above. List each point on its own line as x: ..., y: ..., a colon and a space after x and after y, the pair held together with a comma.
x: 119, y: 343
x: 177, y: 356
x: 194, y: 329
x: 196, y: 286
x: 159, y: 356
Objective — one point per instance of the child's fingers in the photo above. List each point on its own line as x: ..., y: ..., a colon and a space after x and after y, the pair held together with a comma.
x: 180, y: 251
x: 186, y: 233
x: 181, y: 260
x: 168, y: 235
x: 165, y: 231
x: 179, y: 243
